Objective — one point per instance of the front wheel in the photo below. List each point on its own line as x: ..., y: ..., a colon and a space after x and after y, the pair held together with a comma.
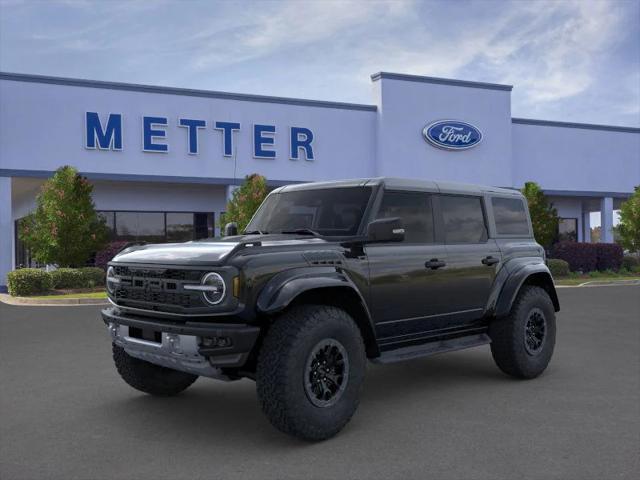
x: 522, y: 343
x: 310, y: 371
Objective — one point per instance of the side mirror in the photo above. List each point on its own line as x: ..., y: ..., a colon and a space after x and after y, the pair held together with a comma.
x: 231, y: 229
x: 385, y: 230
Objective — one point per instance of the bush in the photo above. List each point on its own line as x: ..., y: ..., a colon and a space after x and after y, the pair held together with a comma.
x: 245, y: 201
x: 558, y: 268
x: 580, y: 256
x: 28, y: 281
x: 105, y: 255
x: 92, y: 277
x: 631, y: 263
x: 66, y: 278
x: 609, y: 256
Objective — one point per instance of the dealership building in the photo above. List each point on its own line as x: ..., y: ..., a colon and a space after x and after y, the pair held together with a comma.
x: 163, y: 161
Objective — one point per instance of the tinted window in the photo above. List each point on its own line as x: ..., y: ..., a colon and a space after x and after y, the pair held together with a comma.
x: 140, y: 226
x: 414, y: 209
x: 328, y: 211
x: 510, y: 216
x: 463, y: 219
x: 568, y: 229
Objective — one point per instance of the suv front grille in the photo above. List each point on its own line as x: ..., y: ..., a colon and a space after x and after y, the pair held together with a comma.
x: 158, y: 289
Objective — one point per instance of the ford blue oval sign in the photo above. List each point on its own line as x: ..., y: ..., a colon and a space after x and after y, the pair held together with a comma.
x: 452, y: 134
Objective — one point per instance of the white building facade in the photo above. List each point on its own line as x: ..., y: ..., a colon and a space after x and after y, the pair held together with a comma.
x: 163, y: 161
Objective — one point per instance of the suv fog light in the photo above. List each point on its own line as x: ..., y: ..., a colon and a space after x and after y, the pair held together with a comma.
x: 113, y: 330
x: 174, y: 342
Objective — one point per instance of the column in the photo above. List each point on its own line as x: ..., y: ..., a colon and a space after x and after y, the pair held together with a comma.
x: 606, y: 219
x: 586, y: 225
x: 6, y: 232
x: 229, y: 191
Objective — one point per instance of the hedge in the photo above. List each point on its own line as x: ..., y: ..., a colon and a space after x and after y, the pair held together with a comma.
x: 631, y: 263
x: 587, y: 257
x: 105, y: 255
x: 28, y: 281
x: 558, y: 268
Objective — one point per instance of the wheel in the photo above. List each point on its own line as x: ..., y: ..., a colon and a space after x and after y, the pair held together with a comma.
x: 522, y: 343
x: 150, y: 378
x: 310, y: 371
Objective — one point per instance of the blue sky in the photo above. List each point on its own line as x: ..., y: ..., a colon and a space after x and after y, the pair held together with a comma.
x: 568, y: 60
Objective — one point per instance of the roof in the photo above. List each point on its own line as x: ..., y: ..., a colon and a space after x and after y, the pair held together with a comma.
x: 404, y: 184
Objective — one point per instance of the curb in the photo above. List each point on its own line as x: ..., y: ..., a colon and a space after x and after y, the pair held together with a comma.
x: 602, y: 283
x: 46, y: 302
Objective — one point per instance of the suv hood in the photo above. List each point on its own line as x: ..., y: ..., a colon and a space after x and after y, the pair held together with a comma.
x: 211, y: 251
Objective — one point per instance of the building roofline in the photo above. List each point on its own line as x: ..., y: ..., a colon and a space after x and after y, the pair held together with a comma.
x: 440, y: 81
x: 244, y: 97
x: 586, y: 126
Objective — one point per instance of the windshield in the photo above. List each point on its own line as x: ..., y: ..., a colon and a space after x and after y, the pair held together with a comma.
x: 326, y: 211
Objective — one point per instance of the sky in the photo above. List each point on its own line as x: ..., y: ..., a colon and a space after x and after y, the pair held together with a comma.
x: 570, y: 60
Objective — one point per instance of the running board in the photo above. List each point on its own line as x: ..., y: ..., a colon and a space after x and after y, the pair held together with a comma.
x: 431, y: 348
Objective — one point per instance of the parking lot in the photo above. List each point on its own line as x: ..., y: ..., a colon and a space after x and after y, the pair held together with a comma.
x: 65, y: 414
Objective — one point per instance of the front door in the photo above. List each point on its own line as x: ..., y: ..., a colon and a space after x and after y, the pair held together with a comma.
x: 407, y: 286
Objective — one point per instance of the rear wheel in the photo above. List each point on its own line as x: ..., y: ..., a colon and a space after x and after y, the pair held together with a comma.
x: 150, y: 378
x: 522, y: 343
x: 310, y: 371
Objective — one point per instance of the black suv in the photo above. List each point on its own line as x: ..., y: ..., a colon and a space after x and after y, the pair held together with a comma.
x: 325, y: 277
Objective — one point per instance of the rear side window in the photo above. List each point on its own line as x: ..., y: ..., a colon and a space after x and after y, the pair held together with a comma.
x: 414, y: 209
x: 510, y: 216
x: 463, y: 219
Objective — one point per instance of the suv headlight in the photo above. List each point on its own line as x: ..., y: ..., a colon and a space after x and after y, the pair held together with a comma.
x: 212, y: 287
x: 112, y: 280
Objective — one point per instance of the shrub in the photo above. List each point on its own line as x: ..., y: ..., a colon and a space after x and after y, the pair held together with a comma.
x: 558, y: 268
x: 544, y: 217
x: 66, y: 278
x: 28, y: 281
x: 580, y: 256
x: 92, y: 277
x: 105, y: 255
x: 631, y: 263
x: 609, y: 256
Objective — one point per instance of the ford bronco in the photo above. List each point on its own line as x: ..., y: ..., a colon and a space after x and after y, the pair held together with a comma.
x: 326, y: 277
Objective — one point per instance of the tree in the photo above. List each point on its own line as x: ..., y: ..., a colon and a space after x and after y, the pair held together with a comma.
x: 245, y: 201
x: 544, y: 217
x: 64, y: 229
x: 629, y: 226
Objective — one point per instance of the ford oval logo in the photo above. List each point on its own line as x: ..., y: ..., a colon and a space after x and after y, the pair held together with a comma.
x: 452, y: 134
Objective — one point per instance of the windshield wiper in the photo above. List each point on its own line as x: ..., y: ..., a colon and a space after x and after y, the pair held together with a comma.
x: 254, y: 232
x: 302, y: 231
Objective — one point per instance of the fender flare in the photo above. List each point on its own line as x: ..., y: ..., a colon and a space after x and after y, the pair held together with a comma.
x: 517, y: 278
x: 286, y: 286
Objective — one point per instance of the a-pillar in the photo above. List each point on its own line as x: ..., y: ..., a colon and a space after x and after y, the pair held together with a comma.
x: 606, y: 220
x: 6, y: 232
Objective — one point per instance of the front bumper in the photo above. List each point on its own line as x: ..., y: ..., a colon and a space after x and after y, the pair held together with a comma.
x: 179, y: 345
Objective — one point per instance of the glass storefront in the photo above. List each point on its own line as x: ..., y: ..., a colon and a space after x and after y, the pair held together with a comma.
x: 150, y: 227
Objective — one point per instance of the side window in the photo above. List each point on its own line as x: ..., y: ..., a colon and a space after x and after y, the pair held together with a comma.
x: 414, y: 209
x: 463, y: 219
x: 510, y: 216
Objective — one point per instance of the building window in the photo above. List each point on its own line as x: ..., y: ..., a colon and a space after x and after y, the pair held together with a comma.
x: 568, y: 230
x: 180, y: 227
x: 158, y: 227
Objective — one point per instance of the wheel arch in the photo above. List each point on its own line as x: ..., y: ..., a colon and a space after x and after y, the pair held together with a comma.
x: 532, y: 274
x: 319, y: 286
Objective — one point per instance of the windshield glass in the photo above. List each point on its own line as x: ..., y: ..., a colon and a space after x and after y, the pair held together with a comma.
x: 326, y: 211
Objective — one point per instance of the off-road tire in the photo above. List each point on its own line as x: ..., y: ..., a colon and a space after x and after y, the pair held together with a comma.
x: 508, y: 343
x: 282, y: 369
x: 150, y: 378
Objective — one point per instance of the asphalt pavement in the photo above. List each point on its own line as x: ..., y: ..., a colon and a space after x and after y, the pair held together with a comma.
x: 65, y: 413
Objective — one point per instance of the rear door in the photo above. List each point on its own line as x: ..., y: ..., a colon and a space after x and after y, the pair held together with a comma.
x: 405, y: 292
x: 472, y: 258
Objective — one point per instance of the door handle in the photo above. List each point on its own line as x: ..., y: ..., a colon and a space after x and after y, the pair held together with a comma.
x: 490, y: 260
x: 434, y: 264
